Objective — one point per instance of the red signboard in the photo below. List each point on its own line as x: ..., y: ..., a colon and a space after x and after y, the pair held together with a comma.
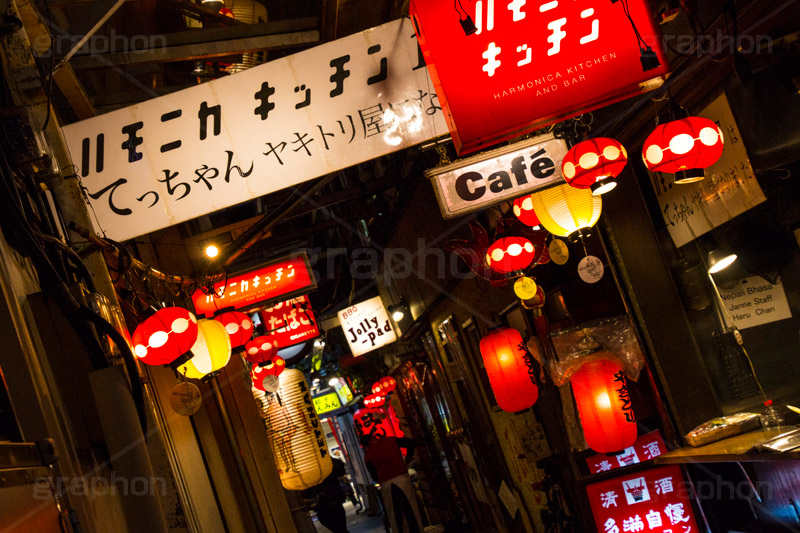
x: 651, y: 500
x: 645, y: 448
x: 282, y: 278
x: 290, y: 322
x: 531, y: 64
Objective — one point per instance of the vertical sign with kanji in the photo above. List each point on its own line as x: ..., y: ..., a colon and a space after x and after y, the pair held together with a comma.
x: 366, y: 326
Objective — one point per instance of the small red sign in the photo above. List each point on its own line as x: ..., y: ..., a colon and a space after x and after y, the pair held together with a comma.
x: 531, y: 64
x: 290, y: 322
x: 645, y: 448
x: 283, y: 278
x: 652, y: 500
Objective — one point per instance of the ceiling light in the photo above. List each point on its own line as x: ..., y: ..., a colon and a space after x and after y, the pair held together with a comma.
x: 333, y: 381
x: 212, y: 251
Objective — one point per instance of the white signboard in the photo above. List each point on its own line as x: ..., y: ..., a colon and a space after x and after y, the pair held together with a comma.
x: 366, y: 326
x: 217, y: 144
x: 480, y: 181
x: 755, y: 301
x: 729, y: 189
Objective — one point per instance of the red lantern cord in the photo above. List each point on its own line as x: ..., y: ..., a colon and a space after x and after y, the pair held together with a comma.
x: 510, y: 370
x: 165, y: 336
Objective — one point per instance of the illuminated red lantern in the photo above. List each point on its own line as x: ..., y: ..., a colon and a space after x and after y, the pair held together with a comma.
x: 388, y: 384
x: 273, y: 367
x: 685, y: 147
x: 509, y: 254
x: 261, y: 349
x: 523, y: 210
x: 376, y: 387
x: 238, y: 325
x: 510, y: 369
x: 604, y: 405
x: 374, y: 400
x: 165, y: 336
x: 594, y: 163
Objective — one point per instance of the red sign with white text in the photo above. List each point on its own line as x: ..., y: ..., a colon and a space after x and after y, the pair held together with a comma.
x: 650, y: 500
x: 283, y: 278
x: 645, y: 448
x: 290, y: 322
x: 531, y: 64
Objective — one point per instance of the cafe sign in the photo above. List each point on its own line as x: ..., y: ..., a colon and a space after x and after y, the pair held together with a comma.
x: 491, y: 177
x: 366, y: 326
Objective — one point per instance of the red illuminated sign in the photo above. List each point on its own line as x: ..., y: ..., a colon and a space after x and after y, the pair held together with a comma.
x: 531, y: 64
x: 282, y: 278
x: 290, y: 322
x: 646, y: 447
x: 652, y: 500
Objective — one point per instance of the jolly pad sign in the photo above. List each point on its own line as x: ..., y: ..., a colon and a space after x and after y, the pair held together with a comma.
x: 366, y: 326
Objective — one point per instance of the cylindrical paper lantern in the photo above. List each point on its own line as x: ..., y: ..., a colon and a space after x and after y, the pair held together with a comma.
x: 594, y: 163
x: 509, y: 254
x: 211, y: 351
x: 238, y: 325
x: 298, y: 440
x: 165, y: 336
x: 686, y: 145
x: 604, y: 405
x: 261, y: 349
x: 510, y: 369
x: 567, y: 212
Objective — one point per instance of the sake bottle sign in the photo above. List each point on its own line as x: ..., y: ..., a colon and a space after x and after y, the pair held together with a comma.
x: 366, y: 326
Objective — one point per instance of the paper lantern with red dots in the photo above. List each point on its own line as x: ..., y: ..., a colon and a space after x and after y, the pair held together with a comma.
x: 261, y: 349
x: 238, y: 325
x: 388, y: 384
x: 523, y: 210
x: 685, y: 147
x: 594, y: 163
x: 509, y: 254
x: 165, y: 336
x: 604, y: 405
x: 273, y: 367
x: 510, y: 370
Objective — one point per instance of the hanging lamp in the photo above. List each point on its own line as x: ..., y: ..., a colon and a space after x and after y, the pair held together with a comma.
x: 594, y: 164
x: 509, y: 254
x: 510, y: 369
x: 523, y: 210
x: 261, y: 349
x: 238, y: 325
x: 684, y: 147
x: 164, y: 336
x: 567, y: 212
x: 210, y: 352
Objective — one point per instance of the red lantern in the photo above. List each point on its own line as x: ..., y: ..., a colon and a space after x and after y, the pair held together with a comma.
x: 165, y: 336
x: 261, y: 349
x: 273, y: 367
x: 388, y: 384
x: 238, y: 325
x: 510, y: 370
x: 594, y: 163
x: 374, y: 400
x: 604, y: 405
x: 509, y: 254
x: 376, y: 387
x: 687, y: 145
x: 523, y: 210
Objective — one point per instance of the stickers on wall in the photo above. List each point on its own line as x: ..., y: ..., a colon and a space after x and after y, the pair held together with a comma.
x: 559, y: 252
x: 590, y: 269
x: 185, y: 399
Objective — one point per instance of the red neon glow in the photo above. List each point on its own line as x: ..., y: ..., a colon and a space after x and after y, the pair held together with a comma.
x: 164, y: 336
x: 291, y: 322
x: 507, y: 365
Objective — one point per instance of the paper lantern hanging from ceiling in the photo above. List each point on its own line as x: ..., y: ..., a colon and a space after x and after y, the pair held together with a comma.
x: 388, y: 384
x: 298, y: 441
x: 165, y: 336
x: 376, y: 387
x: 594, y: 164
x: 374, y: 400
x: 210, y: 352
x: 273, y: 367
x: 566, y: 211
x: 523, y: 210
x: 604, y: 405
x: 261, y: 349
x: 510, y: 370
x: 683, y: 147
x: 509, y: 254
x: 238, y: 325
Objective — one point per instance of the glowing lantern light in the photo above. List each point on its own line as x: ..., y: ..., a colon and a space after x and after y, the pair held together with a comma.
x: 261, y: 349
x: 525, y: 288
x: 510, y: 370
x: 374, y: 400
x: 238, y: 325
x: 594, y: 163
x: 211, y: 351
x: 300, y: 452
x: 523, y: 210
x: 509, y: 254
x: 601, y: 393
x: 165, y: 336
x: 388, y: 384
x: 273, y: 367
x: 376, y: 387
x: 567, y: 212
x: 684, y: 147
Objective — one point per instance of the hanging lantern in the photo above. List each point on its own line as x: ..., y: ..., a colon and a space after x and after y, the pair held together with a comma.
x: 523, y: 210
x: 388, y: 384
x: 509, y: 254
x: 683, y: 147
x: 374, y: 400
x: 376, y: 387
x: 594, y: 163
x: 298, y: 441
x: 165, y: 336
x: 510, y: 369
x: 567, y: 212
x: 261, y: 349
x: 238, y: 325
x: 273, y: 367
x: 210, y: 352
x: 604, y: 405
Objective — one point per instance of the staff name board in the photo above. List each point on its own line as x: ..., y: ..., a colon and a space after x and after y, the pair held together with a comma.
x: 366, y: 326
x: 754, y: 301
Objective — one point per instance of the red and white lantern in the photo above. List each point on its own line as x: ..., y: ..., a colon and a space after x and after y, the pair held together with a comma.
x: 687, y: 146
x: 594, y: 164
x: 165, y: 336
x: 261, y: 349
x: 238, y: 325
x: 509, y: 254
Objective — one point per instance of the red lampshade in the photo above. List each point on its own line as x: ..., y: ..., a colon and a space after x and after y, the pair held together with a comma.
x: 594, y: 163
x: 689, y: 144
x: 509, y: 254
x: 273, y: 367
x: 388, y: 384
x: 376, y: 387
x: 601, y: 392
x: 374, y: 400
x: 165, y: 336
x: 261, y: 349
x: 523, y: 210
x: 238, y: 325
x: 510, y: 370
